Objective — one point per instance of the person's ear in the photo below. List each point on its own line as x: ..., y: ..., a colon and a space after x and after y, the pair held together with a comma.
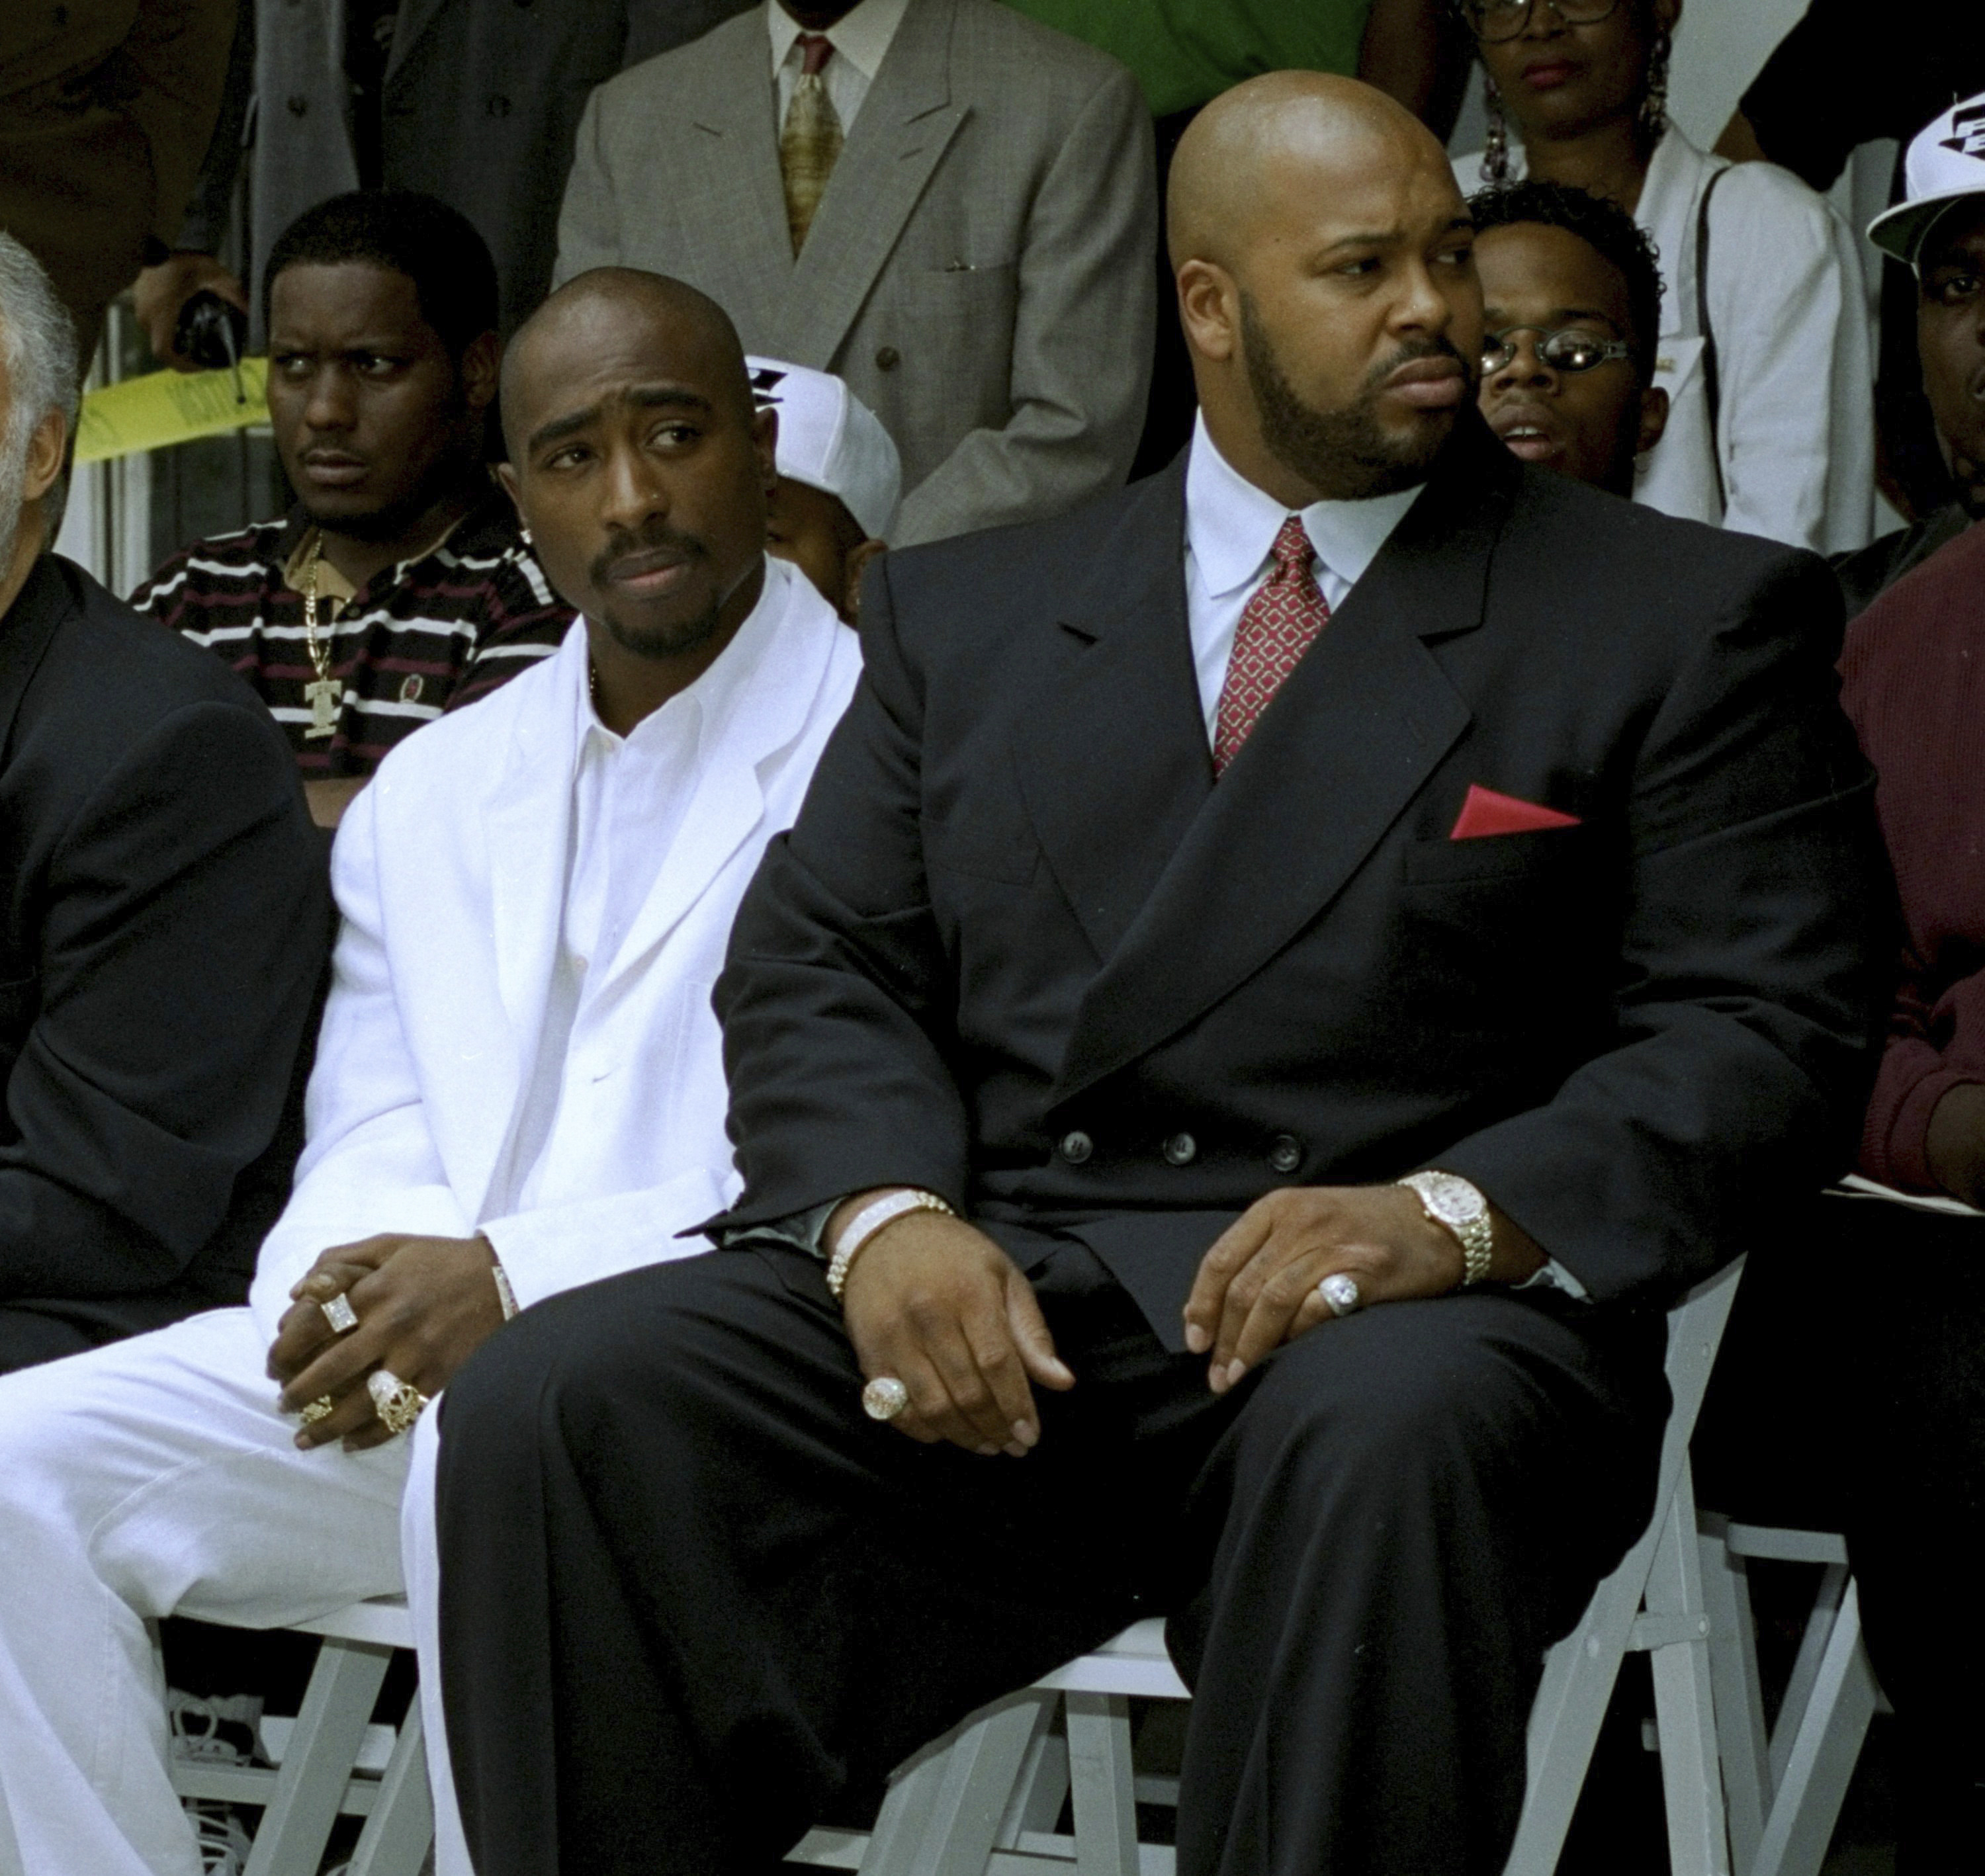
x: 765, y: 442
x: 1210, y: 310
x: 1668, y: 15
x: 48, y: 448
x: 1653, y: 418
x: 481, y: 361
x: 857, y: 563
x: 506, y: 473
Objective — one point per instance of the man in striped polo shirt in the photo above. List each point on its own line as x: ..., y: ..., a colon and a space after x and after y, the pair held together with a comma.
x: 401, y: 584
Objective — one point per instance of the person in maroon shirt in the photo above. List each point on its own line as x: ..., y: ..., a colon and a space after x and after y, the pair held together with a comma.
x: 1850, y: 1394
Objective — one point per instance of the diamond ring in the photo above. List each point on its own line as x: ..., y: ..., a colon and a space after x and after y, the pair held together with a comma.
x: 340, y: 1315
x: 397, y: 1402
x: 1340, y: 1293
x: 885, y: 1397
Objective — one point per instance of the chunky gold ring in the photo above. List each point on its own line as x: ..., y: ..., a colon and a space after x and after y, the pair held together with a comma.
x: 340, y: 1315
x: 885, y: 1397
x: 397, y: 1402
x: 322, y: 1408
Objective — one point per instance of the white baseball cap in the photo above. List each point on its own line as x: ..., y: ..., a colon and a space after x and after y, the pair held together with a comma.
x: 831, y: 440
x: 1946, y: 164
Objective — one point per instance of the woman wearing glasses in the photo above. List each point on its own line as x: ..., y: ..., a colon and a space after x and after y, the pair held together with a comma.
x: 1764, y: 350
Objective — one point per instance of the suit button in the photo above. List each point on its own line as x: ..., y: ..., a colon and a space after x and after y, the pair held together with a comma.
x: 1077, y: 1147
x: 1181, y: 1150
x: 1286, y: 1154
x: 888, y: 359
x: 499, y: 105
x: 299, y: 104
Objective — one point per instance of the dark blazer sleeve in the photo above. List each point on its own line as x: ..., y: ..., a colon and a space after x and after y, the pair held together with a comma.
x: 1759, y: 923
x: 835, y: 996
x: 185, y: 927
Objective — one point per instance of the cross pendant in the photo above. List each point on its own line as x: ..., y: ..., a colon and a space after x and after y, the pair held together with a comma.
x: 323, y: 697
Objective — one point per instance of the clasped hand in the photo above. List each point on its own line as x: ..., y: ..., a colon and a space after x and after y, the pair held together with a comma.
x: 424, y: 1305
x: 939, y: 1305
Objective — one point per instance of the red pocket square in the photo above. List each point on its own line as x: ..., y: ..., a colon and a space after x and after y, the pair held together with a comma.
x: 1486, y: 812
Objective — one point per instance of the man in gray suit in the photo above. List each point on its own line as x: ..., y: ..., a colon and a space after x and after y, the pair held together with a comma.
x: 952, y: 207
x: 471, y: 101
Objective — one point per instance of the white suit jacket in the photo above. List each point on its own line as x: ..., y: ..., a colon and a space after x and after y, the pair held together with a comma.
x: 1796, y: 427
x: 450, y: 870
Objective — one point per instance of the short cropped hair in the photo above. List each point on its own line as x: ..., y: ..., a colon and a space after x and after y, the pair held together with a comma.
x: 1603, y: 226
x: 406, y: 232
x: 38, y: 341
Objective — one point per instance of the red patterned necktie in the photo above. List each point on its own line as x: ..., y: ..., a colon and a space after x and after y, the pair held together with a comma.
x: 1285, y: 614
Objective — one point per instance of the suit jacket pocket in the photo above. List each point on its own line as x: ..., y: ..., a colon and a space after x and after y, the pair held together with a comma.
x: 1539, y: 852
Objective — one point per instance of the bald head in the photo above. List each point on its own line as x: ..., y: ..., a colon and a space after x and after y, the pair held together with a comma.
x: 1258, y: 150
x: 1326, y: 285
x: 684, y: 333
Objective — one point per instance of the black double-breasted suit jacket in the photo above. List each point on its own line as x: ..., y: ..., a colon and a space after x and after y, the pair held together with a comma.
x: 1022, y: 949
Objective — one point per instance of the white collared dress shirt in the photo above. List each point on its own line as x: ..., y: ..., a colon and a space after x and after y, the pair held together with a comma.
x: 1229, y: 527
x: 630, y: 795
x: 860, y: 37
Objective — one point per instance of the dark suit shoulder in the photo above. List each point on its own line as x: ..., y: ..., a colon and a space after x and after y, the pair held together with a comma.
x: 111, y: 677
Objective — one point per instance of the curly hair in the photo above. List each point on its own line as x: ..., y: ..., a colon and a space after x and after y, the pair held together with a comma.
x: 1603, y: 226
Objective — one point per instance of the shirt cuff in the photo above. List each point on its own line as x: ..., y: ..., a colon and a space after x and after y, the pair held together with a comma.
x: 1552, y: 1275
x: 801, y: 1230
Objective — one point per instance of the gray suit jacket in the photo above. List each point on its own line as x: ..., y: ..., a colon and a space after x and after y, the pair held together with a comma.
x: 481, y: 98
x: 979, y: 270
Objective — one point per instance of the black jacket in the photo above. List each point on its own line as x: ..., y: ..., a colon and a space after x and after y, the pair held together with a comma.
x: 1020, y: 949
x: 164, y: 923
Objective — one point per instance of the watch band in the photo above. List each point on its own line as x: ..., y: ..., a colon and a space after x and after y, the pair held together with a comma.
x: 1456, y: 1205
x: 870, y: 1219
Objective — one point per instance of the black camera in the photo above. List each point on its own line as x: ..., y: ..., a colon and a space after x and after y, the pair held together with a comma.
x: 211, y: 332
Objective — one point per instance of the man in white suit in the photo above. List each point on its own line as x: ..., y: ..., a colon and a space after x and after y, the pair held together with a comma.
x: 518, y: 1088
x: 948, y: 205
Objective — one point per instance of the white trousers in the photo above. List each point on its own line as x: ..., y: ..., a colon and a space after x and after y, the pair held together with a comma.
x: 153, y: 1477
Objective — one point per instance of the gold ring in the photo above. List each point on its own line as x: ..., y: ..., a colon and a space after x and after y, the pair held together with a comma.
x: 397, y: 1402
x: 322, y: 1408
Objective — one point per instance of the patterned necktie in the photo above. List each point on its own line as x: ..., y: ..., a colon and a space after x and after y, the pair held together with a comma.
x: 812, y: 139
x: 1285, y: 614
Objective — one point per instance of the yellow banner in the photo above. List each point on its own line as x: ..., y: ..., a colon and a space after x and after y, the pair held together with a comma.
x: 165, y: 408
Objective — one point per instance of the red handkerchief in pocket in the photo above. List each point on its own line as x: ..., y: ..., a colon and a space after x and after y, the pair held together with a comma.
x: 1486, y: 812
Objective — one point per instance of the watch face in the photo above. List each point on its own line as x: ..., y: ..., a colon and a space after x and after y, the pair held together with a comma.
x: 1453, y: 1201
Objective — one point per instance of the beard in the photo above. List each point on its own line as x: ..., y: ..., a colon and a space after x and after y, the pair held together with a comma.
x: 1347, y: 454
x: 663, y: 638
x: 443, y: 476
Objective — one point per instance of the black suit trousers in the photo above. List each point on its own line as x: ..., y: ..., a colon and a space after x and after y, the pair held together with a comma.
x: 694, y: 1602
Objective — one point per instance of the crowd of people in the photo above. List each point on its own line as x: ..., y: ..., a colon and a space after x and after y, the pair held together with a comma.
x: 918, y: 1107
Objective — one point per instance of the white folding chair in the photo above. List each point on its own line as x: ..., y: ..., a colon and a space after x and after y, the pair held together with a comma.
x: 984, y: 1800
x: 318, y: 1781
x: 1783, y: 1788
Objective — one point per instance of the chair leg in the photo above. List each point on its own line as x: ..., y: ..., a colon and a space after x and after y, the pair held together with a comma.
x: 1685, y: 1715
x: 397, y: 1834
x: 1813, y: 1645
x: 943, y: 1812
x: 1102, y: 1784
x: 1741, y: 1736
x: 1820, y: 1754
x: 323, y: 1748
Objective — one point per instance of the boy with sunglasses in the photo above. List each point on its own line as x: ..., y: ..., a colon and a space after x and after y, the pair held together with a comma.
x: 1572, y: 297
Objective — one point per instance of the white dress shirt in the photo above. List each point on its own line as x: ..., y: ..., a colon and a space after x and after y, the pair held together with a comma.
x: 629, y: 797
x: 1229, y: 527
x: 859, y: 38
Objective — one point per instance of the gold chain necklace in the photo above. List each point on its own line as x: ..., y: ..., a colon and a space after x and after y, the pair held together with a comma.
x: 325, y: 695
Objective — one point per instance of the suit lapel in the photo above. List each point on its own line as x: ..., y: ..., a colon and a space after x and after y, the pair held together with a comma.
x: 528, y: 824
x: 1111, y: 748
x: 906, y: 123
x: 731, y: 143
x: 416, y: 17
x: 1353, y: 735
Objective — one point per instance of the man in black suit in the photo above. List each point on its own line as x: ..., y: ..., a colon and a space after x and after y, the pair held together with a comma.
x: 164, y: 920
x: 1154, y: 945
